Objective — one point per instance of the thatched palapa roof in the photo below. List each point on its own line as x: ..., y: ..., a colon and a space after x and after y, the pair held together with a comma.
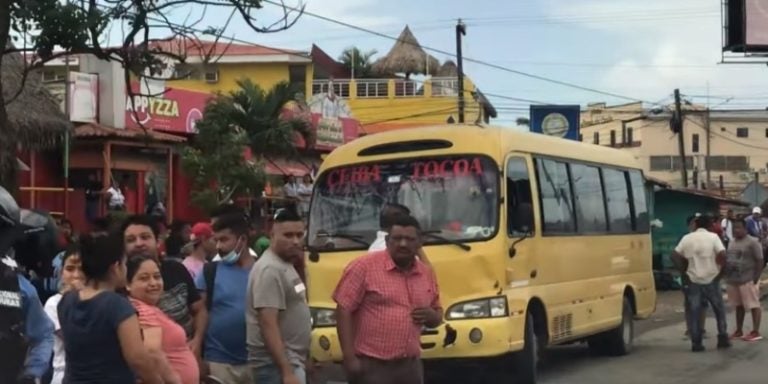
x: 36, y: 119
x: 448, y: 69
x: 407, y: 56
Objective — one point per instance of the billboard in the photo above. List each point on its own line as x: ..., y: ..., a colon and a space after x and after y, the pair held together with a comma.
x: 556, y: 120
x: 162, y: 108
x: 745, y: 26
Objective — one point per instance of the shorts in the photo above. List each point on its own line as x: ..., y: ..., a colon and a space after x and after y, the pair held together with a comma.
x: 231, y: 374
x: 744, y: 295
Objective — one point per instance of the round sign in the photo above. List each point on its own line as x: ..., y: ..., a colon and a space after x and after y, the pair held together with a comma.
x: 192, y: 117
x: 555, y: 124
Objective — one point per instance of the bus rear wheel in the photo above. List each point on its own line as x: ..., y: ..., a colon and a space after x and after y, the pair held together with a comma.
x: 525, y: 362
x: 617, y: 341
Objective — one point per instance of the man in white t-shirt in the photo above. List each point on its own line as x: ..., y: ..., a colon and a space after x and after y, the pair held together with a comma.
x: 700, y: 255
x: 727, y: 225
x: 116, y: 197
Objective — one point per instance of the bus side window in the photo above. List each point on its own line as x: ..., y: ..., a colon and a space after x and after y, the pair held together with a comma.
x: 519, y: 202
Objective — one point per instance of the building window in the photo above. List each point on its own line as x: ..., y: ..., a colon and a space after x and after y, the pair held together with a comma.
x: 630, y: 136
x: 555, y: 195
x: 727, y: 163
x: 590, y: 207
x: 695, y: 143
x: 596, y: 138
x: 613, y: 138
x: 742, y: 132
x: 617, y: 198
x: 669, y: 163
x: 766, y: 132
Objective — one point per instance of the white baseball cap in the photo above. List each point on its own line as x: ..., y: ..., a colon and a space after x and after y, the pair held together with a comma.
x: 757, y: 210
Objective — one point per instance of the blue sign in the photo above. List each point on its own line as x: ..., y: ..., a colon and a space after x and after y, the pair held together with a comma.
x: 556, y: 120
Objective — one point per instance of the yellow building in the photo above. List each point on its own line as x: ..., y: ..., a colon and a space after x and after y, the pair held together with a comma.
x: 727, y: 145
x: 214, y: 67
x: 394, y: 102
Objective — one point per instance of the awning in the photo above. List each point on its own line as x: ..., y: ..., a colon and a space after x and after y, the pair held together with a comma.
x: 287, y: 167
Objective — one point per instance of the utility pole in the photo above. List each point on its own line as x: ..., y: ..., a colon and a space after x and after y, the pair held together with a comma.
x: 67, y: 113
x: 677, y: 127
x: 461, y: 30
x: 709, y: 145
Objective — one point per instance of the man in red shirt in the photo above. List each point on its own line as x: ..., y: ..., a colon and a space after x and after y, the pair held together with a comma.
x: 384, y: 299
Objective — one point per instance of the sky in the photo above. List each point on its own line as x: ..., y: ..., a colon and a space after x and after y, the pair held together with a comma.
x: 630, y: 49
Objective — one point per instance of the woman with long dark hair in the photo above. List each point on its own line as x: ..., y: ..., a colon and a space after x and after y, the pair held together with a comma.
x: 103, y: 342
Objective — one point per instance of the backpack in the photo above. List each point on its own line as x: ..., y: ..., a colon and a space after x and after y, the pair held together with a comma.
x: 209, y: 275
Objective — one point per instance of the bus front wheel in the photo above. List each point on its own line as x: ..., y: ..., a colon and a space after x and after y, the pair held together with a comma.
x: 617, y: 341
x: 525, y: 362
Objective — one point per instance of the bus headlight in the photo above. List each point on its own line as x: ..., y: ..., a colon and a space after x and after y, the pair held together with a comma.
x: 478, y: 309
x: 323, y: 317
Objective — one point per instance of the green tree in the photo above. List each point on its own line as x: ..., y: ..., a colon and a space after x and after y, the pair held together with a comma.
x: 361, y: 61
x: 260, y: 114
x: 523, y: 121
x: 214, y: 160
x: 48, y: 29
x: 247, y: 117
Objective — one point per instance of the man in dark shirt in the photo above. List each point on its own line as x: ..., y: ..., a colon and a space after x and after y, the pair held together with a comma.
x: 181, y: 301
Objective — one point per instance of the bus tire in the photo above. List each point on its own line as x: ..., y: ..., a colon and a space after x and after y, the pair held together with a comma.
x: 525, y: 362
x: 617, y: 341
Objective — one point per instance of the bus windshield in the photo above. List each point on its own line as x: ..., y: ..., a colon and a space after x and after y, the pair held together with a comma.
x: 454, y: 198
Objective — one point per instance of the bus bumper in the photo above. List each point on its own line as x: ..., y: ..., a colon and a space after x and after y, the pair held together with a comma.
x: 454, y: 339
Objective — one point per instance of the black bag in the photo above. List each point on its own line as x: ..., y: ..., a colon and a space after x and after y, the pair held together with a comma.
x: 209, y: 275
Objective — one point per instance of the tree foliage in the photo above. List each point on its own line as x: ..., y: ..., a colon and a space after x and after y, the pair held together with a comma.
x: 248, y: 117
x: 260, y: 114
x: 362, y: 62
x: 48, y: 29
x: 523, y: 121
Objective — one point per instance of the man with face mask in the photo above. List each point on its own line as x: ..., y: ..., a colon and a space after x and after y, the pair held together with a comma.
x: 223, y: 285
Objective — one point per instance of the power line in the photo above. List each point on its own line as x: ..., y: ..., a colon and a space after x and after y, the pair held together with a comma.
x: 451, y: 54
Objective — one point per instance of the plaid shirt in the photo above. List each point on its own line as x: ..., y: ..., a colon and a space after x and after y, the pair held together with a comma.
x: 381, y: 298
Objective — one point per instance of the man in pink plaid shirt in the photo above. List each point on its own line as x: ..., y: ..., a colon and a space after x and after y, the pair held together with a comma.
x: 384, y: 299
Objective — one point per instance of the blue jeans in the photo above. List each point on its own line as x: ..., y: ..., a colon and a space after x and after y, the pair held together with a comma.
x: 270, y: 374
x: 697, y: 293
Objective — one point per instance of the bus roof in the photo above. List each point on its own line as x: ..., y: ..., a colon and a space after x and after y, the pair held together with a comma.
x: 495, y: 142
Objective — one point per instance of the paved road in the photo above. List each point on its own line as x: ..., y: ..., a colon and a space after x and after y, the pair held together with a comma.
x: 662, y: 356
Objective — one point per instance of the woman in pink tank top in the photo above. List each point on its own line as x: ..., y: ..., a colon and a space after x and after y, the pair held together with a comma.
x: 163, y: 337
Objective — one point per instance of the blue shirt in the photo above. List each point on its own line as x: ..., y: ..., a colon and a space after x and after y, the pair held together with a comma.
x: 226, y: 336
x: 38, y: 328
x: 754, y: 227
x: 91, y: 343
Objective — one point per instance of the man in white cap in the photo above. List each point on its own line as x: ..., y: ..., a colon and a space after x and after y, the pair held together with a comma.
x: 755, y: 226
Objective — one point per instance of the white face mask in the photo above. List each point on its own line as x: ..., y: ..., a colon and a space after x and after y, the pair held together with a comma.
x: 232, y: 256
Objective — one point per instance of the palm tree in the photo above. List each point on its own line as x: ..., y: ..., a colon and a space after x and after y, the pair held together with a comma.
x: 354, y: 58
x: 260, y: 114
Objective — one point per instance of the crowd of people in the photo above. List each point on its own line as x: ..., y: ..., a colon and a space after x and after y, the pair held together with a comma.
x: 730, y: 252
x: 221, y: 302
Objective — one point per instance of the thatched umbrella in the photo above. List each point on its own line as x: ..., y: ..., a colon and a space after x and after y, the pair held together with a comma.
x: 407, y: 56
x: 36, y: 120
x: 448, y: 69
